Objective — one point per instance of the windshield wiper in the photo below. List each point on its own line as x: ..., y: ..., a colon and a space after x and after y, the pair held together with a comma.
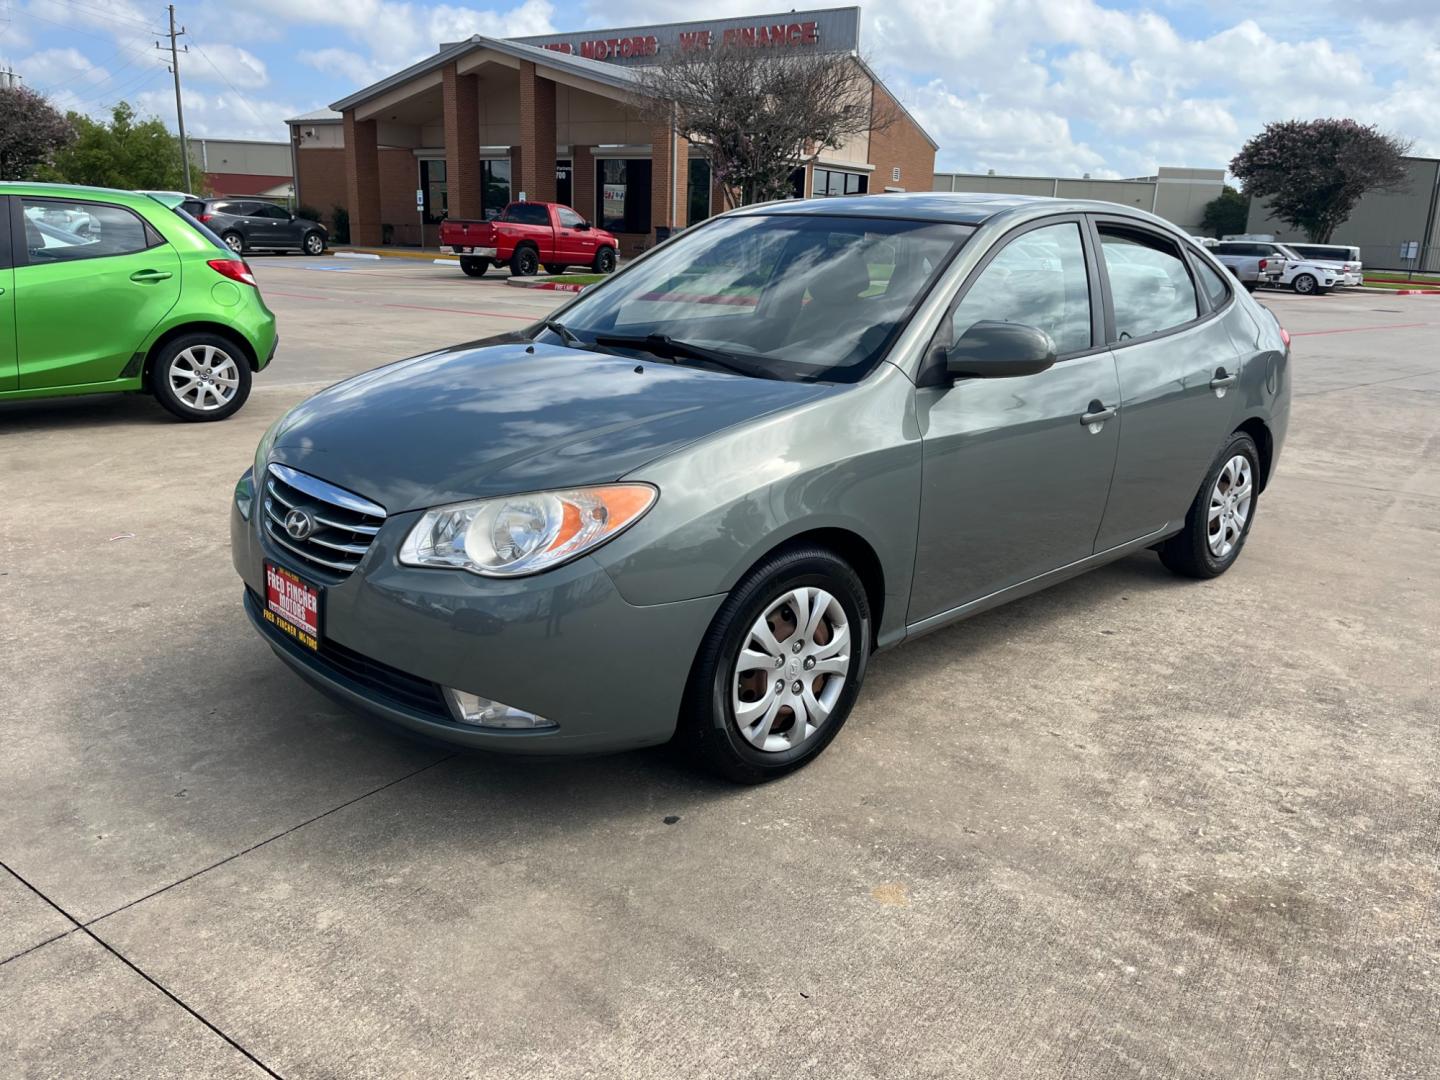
x: 666, y: 346
x: 565, y: 333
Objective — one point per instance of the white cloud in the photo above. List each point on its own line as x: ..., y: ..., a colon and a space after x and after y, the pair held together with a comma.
x: 354, y: 69
x: 226, y: 64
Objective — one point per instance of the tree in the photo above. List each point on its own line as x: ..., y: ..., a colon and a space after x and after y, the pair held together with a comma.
x: 1226, y: 214
x: 31, y: 132
x: 760, y: 112
x: 120, y: 154
x: 1314, y: 172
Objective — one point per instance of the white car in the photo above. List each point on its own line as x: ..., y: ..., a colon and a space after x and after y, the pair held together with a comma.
x: 1346, y: 256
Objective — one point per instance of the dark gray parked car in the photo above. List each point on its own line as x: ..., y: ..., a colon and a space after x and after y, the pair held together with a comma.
x: 255, y: 225
x: 694, y: 502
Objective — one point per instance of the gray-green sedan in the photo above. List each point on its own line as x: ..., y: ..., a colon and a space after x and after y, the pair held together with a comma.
x: 694, y: 502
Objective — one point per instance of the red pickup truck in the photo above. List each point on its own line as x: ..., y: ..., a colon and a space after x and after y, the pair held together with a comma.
x: 527, y: 236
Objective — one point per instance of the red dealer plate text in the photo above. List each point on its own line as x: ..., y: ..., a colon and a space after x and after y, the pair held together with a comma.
x: 292, y: 606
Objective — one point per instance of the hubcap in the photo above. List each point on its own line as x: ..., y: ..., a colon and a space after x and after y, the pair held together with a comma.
x: 313, y: 244
x: 791, y: 669
x: 1230, y: 500
x: 204, y: 377
x: 234, y: 242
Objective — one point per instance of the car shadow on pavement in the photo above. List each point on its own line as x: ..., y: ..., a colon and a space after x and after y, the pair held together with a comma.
x: 96, y: 410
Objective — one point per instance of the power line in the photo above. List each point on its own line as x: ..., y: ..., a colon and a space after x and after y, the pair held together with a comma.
x: 243, y: 99
x: 118, y: 20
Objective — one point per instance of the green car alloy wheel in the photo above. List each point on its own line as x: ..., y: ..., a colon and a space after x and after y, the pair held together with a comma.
x: 167, y: 307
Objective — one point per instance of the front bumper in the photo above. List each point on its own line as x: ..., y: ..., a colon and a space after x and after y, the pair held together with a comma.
x: 563, y: 644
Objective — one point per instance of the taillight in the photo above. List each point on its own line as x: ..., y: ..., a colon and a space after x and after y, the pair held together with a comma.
x: 1285, y: 336
x: 234, y: 269
x: 205, y: 217
x: 1263, y: 264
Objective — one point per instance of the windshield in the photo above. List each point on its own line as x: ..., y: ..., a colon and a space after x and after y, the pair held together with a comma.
x: 785, y: 296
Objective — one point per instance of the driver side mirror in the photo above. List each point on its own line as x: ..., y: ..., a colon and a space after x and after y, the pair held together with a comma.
x: 999, y: 350
x: 584, y: 226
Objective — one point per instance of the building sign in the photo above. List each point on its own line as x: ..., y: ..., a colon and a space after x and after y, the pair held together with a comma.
x: 831, y: 30
x: 613, y: 197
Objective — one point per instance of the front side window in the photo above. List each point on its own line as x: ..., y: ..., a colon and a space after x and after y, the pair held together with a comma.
x: 62, y: 230
x: 782, y: 296
x: 1038, y: 279
x: 569, y: 219
x: 1149, y: 284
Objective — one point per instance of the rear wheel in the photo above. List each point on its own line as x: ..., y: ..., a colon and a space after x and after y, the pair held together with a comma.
x: 1305, y: 284
x: 474, y: 267
x: 1219, y: 519
x: 604, y: 261
x: 525, y: 262
x: 780, y: 667
x: 314, y: 243
x: 200, y: 376
x: 234, y: 241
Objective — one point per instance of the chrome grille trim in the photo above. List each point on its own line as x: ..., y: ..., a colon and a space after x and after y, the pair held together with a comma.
x: 346, y: 523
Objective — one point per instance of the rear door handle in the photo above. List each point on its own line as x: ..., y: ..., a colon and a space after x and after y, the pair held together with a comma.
x: 1097, y: 417
x: 143, y: 277
x: 1221, y: 382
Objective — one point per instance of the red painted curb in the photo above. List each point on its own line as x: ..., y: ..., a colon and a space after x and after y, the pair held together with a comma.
x: 1416, y: 292
x: 546, y: 286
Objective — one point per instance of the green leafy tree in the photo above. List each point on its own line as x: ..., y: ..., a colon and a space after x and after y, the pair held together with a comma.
x: 123, y: 153
x: 32, y: 131
x: 1226, y: 214
x: 1314, y: 172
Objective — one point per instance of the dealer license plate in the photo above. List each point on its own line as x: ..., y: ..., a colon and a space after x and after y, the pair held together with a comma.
x: 292, y: 605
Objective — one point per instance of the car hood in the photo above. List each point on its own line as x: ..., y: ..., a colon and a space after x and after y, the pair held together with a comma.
x: 482, y: 420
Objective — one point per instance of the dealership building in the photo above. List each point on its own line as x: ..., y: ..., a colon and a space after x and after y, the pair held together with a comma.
x: 488, y: 120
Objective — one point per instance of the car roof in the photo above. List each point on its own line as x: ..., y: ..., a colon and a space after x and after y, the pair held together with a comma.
x: 956, y: 207
x: 76, y: 191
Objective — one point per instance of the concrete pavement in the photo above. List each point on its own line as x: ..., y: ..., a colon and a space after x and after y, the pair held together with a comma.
x: 1132, y: 826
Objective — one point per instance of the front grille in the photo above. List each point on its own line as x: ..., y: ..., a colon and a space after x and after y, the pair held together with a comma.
x: 344, y: 524
x: 381, y: 681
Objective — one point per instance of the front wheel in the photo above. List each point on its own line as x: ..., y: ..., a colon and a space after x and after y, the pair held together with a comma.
x: 525, y: 262
x: 1219, y: 519
x: 200, y: 376
x: 314, y: 243
x: 780, y: 667
x: 1305, y: 284
x: 604, y: 261
x: 474, y: 267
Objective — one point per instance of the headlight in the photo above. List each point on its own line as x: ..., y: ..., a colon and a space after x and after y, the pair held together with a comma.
x: 524, y: 534
x: 262, y: 451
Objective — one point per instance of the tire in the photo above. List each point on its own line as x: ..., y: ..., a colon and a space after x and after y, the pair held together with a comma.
x: 1250, y: 286
x: 1304, y: 284
x: 234, y: 241
x: 314, y: 243
x: 1193, y: 552
x: 604, y: 262
x: 193, y: 399
x: 709, y: 723
x: 554, y: 268
x: 524, y: 262
x: 474, y: 267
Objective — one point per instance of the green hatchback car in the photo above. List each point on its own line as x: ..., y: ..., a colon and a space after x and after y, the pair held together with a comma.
x: 104, y: 290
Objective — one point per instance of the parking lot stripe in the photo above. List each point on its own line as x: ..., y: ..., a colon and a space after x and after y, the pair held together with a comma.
x: 1359, y: 329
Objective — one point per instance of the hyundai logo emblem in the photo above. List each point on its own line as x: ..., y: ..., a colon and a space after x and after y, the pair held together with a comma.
x: 299, y: 524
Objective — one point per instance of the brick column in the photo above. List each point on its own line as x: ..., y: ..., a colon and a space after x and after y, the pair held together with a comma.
x: 662, y: 211
x: 516, y: 160
x: 582, y: 182
x: 362, y: 179
x: 462, y: 142
x: 537, y: 135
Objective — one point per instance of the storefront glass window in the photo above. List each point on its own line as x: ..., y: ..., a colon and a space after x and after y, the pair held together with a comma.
x: 563, y: 191
x: 699, y: 190
x: 622, y: 194
x: 829, y: 182
x: 432, y: 183
x: 496, y: 192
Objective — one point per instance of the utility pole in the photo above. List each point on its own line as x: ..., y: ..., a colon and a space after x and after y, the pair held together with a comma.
x: 179, y: 109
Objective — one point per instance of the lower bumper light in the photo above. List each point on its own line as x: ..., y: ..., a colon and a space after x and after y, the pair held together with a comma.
x: 470, y: 708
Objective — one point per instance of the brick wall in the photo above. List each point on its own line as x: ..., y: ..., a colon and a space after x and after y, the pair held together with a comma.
x: 899, y: 145
x: 536, y: 173
x: 462, y: 142
x: 321, y: 180
x: 582, y: 182
x: 362, y: 179
x: 323, y: 185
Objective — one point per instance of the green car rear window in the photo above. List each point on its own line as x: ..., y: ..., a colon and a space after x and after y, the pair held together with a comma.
x: 202, y: 229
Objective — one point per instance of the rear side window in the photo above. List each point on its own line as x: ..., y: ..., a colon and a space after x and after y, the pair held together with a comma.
x: 1149, y: 284
x: 1213, y: 284
x: 62, y: 230
x: 1037, y: 279
x: 527, y: 214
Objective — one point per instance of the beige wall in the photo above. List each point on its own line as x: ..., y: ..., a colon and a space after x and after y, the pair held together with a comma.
x: 249, y: 158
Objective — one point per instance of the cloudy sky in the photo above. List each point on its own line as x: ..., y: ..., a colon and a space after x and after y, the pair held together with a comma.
x: 1109, y: 87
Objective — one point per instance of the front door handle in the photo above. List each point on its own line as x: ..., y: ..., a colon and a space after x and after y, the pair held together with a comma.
x: 1096, y: 417
x: 144, y: 277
